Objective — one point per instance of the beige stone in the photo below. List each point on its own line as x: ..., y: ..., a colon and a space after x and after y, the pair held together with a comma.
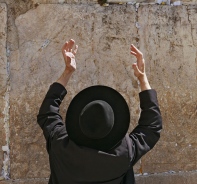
x: 3, y: 78
x: 26, y: 181
x: 66, y: 1
x: 169, y: 178
x: 168, y: 40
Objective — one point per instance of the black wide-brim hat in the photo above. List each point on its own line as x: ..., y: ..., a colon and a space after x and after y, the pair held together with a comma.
x: 121, y: 117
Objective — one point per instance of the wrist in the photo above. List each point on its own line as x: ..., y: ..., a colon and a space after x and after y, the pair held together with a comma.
x: 143, y: 79
x: 64, y: 78
x: 144, y: 84
x: 68, y: 72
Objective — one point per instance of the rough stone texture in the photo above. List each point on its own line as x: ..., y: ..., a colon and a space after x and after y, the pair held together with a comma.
x: 173, y: 178
x: 66, y: 1
x: 3, y: 77
x: 168, y: 39
x: 26, y: 181
x: 96, y: 1
x: 36, y: 64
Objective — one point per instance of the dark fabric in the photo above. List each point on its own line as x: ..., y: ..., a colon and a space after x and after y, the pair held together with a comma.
x: 73, y: 164
x: 96, y: 119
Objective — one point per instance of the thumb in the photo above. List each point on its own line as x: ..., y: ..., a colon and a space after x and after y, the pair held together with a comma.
x: 135, y: 68
x: 137, y: 72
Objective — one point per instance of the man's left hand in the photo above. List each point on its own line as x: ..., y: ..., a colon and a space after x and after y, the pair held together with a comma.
x: 69, y: 55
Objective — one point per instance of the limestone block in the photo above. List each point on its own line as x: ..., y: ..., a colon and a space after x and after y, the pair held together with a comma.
x: 65, y: 1
x: 103, y: 35
x: 96, y: 1
x: 168, y: 40
x: 3, y: 77
x: 170, y: 178
x: 26, y: 181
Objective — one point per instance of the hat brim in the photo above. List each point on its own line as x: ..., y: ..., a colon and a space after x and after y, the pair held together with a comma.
x: 121, y: 117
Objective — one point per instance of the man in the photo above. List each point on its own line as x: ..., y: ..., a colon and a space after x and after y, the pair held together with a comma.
x: 94, y: 146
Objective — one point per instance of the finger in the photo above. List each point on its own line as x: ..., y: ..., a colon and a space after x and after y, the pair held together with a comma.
x: 133, y: 48
x: 75, y: 51
x: 133, y: 53
x: 70, y: 45
x: 142, y: 67
x: 64, y: 47
x: 136, y: 69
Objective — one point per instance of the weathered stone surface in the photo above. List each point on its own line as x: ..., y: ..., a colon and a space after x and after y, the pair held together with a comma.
x: 3, y: 77
x: 103, y: 36
x: 169, y: 178
x: 168, y: 40
x: 26, y: 181
x: 66, y: 1
x: 96, y: 1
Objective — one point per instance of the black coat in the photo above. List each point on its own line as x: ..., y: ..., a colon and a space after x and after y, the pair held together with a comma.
x: 73, y: 164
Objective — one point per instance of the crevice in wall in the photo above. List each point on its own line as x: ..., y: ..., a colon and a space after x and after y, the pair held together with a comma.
x: 137, y: 25
x: 5, y: 174
x: 188, y: 14
x: 6, y: 150
x: 167, y: 173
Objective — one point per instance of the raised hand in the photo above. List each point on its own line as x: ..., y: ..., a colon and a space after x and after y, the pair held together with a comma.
x: 69, y: 59
x: 139, y: 68
x: 69, y: 55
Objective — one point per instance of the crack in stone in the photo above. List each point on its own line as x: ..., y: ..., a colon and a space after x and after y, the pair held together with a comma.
x: 188, y: 14
x: 6, y: 162
x: 6, y: 151
x: 166, y: 173
x: 192, y: 36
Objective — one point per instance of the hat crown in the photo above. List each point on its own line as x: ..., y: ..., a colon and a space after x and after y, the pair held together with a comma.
x: 102, y: 140
x: 96, y: 119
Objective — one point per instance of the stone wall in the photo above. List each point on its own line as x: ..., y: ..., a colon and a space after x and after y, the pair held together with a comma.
x: 31, y: 36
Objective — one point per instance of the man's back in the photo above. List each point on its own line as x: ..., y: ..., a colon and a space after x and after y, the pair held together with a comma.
x: 74, y: 164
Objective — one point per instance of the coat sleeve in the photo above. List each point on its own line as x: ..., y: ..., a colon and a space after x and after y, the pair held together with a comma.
x: 48, y: 117
x: 147, y: 132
